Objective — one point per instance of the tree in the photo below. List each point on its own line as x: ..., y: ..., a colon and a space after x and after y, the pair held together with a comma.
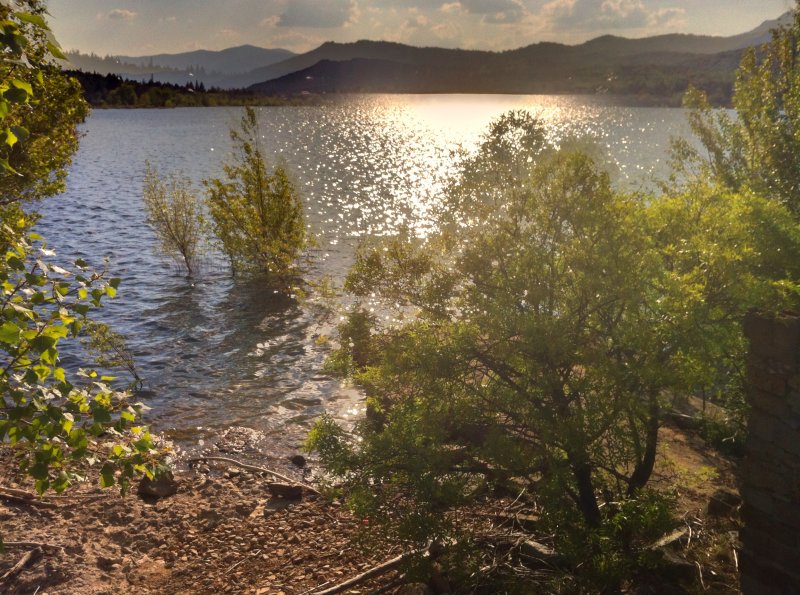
x: 50, y: 421
x: 553, y: 318
x: 534, y: 353
x: 257, y: 216
x: 759, y: 148
x: 39, y: 108
x: 175, y: 214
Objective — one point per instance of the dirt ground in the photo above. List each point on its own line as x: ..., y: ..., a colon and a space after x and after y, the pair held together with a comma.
x: 223, y: 532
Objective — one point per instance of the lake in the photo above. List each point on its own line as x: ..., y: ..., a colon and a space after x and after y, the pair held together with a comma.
x: 216, y: 353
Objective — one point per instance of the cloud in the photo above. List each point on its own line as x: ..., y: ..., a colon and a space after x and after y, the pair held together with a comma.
x: 495, y: 12
x: 606, y: 14
x: 118, y: 14
x: 416, y: 22
x: 315, y: 14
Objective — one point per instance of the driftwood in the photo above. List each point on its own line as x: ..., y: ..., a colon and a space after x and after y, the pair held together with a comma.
x: 255, y: 469
x: 289, y: 491
x: 22, y: 497
x: 33, y: 544
x: 29, y: 558
x: 373, y: 572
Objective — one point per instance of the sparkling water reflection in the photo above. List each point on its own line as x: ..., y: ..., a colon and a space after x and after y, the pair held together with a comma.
x: 215, y: 352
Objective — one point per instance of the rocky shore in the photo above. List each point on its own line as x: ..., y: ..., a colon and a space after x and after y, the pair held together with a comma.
x: 225, y: 531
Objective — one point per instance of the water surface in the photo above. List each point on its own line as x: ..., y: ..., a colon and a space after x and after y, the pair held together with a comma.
x: 215, y: 352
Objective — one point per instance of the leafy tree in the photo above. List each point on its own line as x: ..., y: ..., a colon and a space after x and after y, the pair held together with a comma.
x: 51, y: 422
x: 257, y: 216
x: 39, y: 108
x: 759, y: 147
x: 175, y: 214
x: 110, y: 350
x: 553, y: 318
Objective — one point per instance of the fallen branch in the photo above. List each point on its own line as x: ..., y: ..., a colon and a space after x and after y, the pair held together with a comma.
x: 33, y: 544
x: 22, y: 497
x: 373, y: 572
x: 255, y: 469
x: 29, y: 558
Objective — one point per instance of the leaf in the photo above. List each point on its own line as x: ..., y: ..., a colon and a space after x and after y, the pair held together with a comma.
x: 10, y: 137
x: 107, y: 476
x: 16, y: 95
x: 21, y: 133
x: 33, y: 19
x: 6, y: 168
x: 9, y: 333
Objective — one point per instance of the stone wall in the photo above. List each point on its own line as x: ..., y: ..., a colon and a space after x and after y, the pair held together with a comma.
x: 770, y: 475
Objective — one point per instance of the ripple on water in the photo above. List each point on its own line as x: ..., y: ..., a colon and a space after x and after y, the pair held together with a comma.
x: 216, y: 352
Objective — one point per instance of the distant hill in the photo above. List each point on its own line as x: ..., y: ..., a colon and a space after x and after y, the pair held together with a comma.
x: 654, y: 69
x: 237, y: 60
x: 213, y: 68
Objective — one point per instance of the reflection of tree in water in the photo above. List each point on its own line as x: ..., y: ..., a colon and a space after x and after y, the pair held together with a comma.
x: 230, y: 346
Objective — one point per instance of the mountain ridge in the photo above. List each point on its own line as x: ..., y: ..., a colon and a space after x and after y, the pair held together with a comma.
x: 545, y: 64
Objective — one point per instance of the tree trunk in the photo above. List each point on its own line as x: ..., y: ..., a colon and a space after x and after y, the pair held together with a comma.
x: 644, y: 468
x: 587, y: 501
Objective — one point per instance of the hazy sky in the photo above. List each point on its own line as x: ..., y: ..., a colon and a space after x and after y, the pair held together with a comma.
x: 137, y: 27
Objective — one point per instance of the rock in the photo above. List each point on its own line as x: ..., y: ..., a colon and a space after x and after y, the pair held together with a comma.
x: 104, y: 563
x: 723, y: 503
x: 244, y: 509
x: 676, y: 568
x: 298, y: 460
x: 285, y: 490
x: 162, y: 486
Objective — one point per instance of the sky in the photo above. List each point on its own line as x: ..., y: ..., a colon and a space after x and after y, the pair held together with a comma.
x: 143, y: 27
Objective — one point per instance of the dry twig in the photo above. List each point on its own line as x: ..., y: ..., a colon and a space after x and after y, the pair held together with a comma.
x: 29, y: 558
x: 22, y: 497
x: 255, y: 469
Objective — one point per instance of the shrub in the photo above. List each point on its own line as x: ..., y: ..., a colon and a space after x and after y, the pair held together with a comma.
x: 256, y: 215
x: 175, y: 214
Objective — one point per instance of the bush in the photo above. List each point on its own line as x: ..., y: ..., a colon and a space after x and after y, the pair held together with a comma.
x: 49, y: 421
x: 257, y: 216
x: 175, y: 214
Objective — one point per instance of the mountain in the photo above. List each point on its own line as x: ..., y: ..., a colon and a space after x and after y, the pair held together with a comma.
x: 655, y: 69
x: 647, y: 66
x: 226, y: 68
x: 236, y: 60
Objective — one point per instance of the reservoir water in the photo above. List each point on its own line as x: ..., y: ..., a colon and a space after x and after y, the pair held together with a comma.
x: 216, y: 352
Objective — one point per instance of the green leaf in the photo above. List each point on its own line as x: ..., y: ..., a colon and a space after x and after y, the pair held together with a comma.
x: 22, y: 85
x: 39, y: 470
x: 9, y: 333
x: 56, y: 51
x: 21, y: 133
x: 107, y: 476
x: 5, y: 167
x: 61, y: 483
x: 33, y: 19
x: 16, y: 95
x: 9, y: 138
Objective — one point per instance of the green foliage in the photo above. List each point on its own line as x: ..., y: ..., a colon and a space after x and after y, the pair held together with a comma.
x: 617, y: 551
x: 176, y: 215
x: 39, y: 108
x: 111, y: 90
x: 759, y: 148
x: 110, y: 349
x: 257, y: 216
x: 551, y: 319
x: 52, y: 422
x: 536, y: 352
